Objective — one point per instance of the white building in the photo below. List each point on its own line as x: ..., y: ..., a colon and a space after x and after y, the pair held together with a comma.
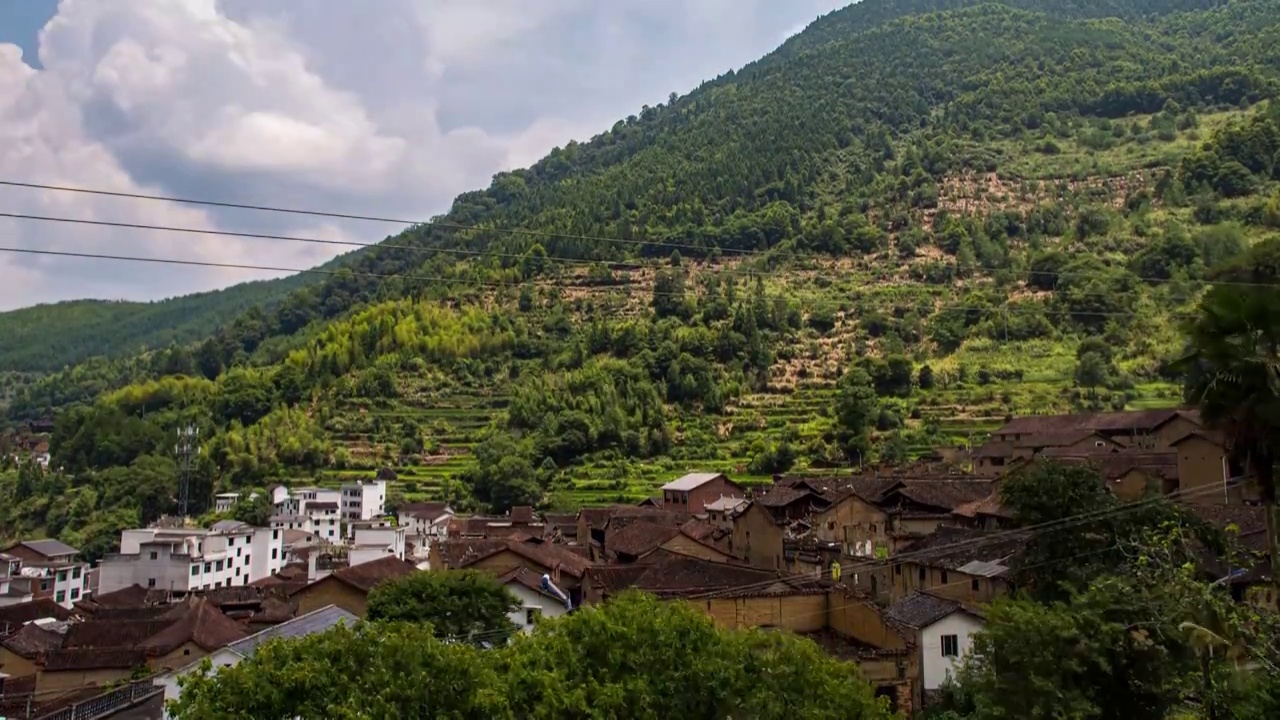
x: 944, y: 633
x: 535, y: 603
x: 297, y: 501
x: 326, y: 522
x: 425, y: 523
x: 291, y: 522
x: 183, y: 560
x: 36, y: 569
x: 374, y: 543
x: 363, y: 500
x: 318, y: 621
x: 279, y: 493
x: 224, y: 502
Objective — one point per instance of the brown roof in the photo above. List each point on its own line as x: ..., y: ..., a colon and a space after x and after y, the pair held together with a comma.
x: 456, y: 552
x: 1163, y: 463
x: 430, y: 510
x: 989, y: 505
x: 994, y: 449
x: 639, y: 538
x: 1208, y: 435
x: 114, y: 633
x: 945, y: 495
x: 94, y: 659
x: 1247, y: 519
x: 313, y: 505
x: 131, y: 596
x: 32, y: 640
x: 366, y: 576
x: 1056, y: 438
x: 953, y: 548
x: 1139, y: 421
x: 671, y: 575
x: 919, y: 610
x: 547, y: 555
x: 782, y: 496
x: 701, y: 530
x: 524, y: 576
x: 274, y: 611
x: 14, y: 616
x: 197, y: 621
x: 598, y: 517
x: 522, y: 514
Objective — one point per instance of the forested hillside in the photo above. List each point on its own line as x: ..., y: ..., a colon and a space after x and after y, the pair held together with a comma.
x: 46, y: 338
x: 889, y: 235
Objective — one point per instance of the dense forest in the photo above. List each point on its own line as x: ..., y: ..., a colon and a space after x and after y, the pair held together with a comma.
x: 911, y: 221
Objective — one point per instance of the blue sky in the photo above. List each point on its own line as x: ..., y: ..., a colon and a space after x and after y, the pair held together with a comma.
x: 20, y: 22
x: 313, y: 104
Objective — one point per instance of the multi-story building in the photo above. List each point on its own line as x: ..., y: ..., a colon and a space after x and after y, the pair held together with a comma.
x: 297, y: 501
x: 374, y: 543
x: 185, y: 560
x: 364, y: 500
x: 45, y: 569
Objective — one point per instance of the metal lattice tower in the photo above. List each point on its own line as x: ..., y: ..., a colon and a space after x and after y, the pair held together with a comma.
x: 188, y: 445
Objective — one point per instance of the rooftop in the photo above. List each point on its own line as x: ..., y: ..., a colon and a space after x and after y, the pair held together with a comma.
x: 692, y: 481
x: 31, y: 641
x: 957, y: 548
x: 426, y: 510
x: 920, y: 610
x: 673, y: 575
x: 313, y: 622
x: 367, y: 576
x: 13, y: 617
x: 1136, y: 420
x: 944, y: 495
x: 47, y: 548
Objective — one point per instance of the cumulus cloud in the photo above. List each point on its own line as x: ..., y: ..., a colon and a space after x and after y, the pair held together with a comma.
x: 312, y: 103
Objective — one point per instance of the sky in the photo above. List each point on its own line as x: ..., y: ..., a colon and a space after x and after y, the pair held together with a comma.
x: 313, y: 104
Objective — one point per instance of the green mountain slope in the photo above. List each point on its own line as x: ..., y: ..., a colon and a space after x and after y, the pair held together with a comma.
x: 45, y: 338
x: 911, y: 221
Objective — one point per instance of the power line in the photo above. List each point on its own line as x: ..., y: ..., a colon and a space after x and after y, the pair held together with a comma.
x: 370, y: 218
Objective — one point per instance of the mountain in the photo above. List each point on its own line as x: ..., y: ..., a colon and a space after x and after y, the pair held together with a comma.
x: 910, y: 221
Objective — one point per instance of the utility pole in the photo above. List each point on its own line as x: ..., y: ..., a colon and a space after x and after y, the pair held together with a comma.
x: 188, y: 444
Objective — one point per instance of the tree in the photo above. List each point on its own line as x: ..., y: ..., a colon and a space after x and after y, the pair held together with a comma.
x: 377, y: 670
x: 462, y: 604
x: 503, y: 475
x: 855, y: 410
x: 253, y: 508
x: 677, y: 665
x: 1092, y: 371
x: 1233, y: 370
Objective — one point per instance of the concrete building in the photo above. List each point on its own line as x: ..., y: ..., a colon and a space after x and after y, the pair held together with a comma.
x: 319, y: 621
x: 223, y: 502
x: 374, y: 543
x: 535, y: 603
x: 38, y: 569
x: 425, y: 523
x: 944, y: 635
x: 364, y: 500
x: 185, y: 560
x: 298, y: 501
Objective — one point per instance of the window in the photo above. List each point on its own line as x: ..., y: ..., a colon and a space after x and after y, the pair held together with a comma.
x: 897, y: 569
x: 873, y: 528
x: 975, y: 584
x: 944, y: 577
x: 61, y: 596
x: 75, y: 593
x: 75, y: 574
x: 62, y: 576
x: 950, y: 646
x: 154, y: 554
x: 151, y: 582
x: 195, y: 570
x: 218, y: 565
x: 44, y: 584
x: 924, y: 574
x: 208, y: 567
x: 274, y: 553
x: 239, y: 552
x: 246, y: 559
x: 237, y: 572
x: 531, y: 615
x: 275, y: 534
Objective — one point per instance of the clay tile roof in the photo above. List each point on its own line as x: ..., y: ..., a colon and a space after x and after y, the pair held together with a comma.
x: 273, y: 611
x: 672, y: 575
x: 920, y: 610
x: 989, y: 505
x: 994, y: 449
x: 1112, y: 465
x: 1055, y: 438
x: 428, y: 510
x: 94, y: 659
x: 1139, y: 420
x: 456, y: 552
x: 524, y: 576
x: 639, y: 538
x: 954, y: 548
x: 366, y: 576
x: 700, y: 529
x: 780, y: 496
x: 1246, y: 519
x: 32, y: 640
x: 200, y: 622
x: 14, y: 616
x: 113, y: 633
x: 522, y: 514
x: 944, y: 494
x: 131, y: 596
x: 550, y: 556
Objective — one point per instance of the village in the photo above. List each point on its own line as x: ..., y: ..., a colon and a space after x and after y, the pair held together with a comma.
x: 889, y: 568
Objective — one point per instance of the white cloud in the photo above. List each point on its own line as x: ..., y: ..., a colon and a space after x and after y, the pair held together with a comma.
x: 311, y: 103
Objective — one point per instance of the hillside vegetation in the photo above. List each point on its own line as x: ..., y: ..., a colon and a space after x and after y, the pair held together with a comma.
x: 895, y: 231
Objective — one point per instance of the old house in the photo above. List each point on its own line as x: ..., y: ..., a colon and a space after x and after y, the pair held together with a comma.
x: 723, y: 510
x: 988, y: 513
x: 943, y: 630
x: 565, y: 567
x: 101, y: 651
x: 1207, y: 471
x: 560, y: 528
x: 535, y: 602
x: 1130, y: 473
x: 855, y: 520
x: 918, y: 507
x: 20, y: 651
x: 13, y: 617
x: 791, y: 503
x: 966, y: 565
x: 349, y: 587
x: 757, y: 538
x: 691, y: 493
x: 47, y: 569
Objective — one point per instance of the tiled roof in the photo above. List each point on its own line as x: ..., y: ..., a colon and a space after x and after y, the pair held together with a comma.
x: 366, y: 576
x: 920, y: 610
x: 48, y: 548
x: 527, y: 578
x: 1162, y: 463
x: 273, y: 610
x: 229, y: 526
x: 426, y: 510
x: 94, y: 659
x: 639, y: 538
x: 522, y: 514
x: 197, y: 621
x: 1139, y: 420
x: 32, y: 640
x: 781, y: 496
x: 316, y: 621
x: 456, y: 552
x: 671, y: 575
x: 989, y: 505
x: 549, y: 556
x: 994, y: 449
x: 14, y: 616
x: 692, y: 481
x: 1057, y: 439
x: 313, y: 505
x: 945, y: 495
x: 843, y: 647
x: 954, y: 548
x: 1247, y: 519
